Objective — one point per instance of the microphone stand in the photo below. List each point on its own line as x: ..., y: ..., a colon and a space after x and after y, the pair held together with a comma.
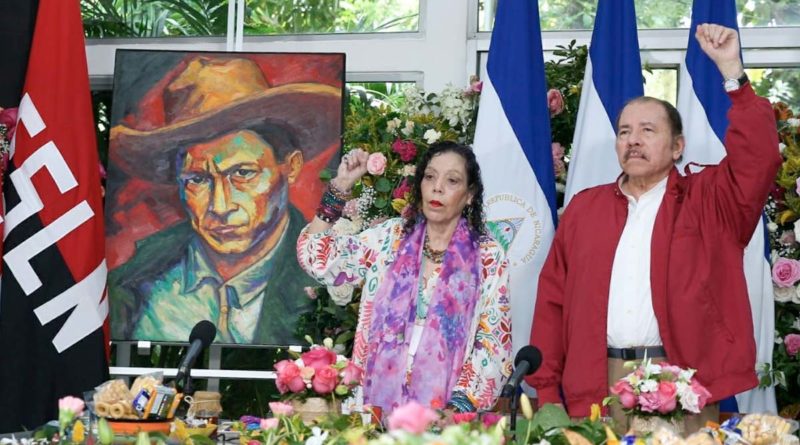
x: 513, y: 408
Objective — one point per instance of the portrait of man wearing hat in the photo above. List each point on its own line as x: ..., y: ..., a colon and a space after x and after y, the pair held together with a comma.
x: 233, y: 145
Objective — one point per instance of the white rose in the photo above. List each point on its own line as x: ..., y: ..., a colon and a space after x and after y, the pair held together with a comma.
x: 784, y: 294
x: 796, y: 324
x: 431, y: 136
x: 649, y: 385
x: 392, y: 125
x: 409, y: 128
x: 341, y: 295
x: 797, y: 230
x: 409, y: 170
x: 781, y: 147
x: 772, y: 227
x: 796, y: 295
x: 793, y: 122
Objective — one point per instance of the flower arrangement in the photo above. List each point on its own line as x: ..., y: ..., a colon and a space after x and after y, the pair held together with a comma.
x: 396, y: 136
x: 783, y: 212
x: 319, y: 372
x: 287, y: 427
x: 659, y: 389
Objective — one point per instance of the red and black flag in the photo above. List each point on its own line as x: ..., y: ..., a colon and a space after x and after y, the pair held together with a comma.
x: 52, y: 300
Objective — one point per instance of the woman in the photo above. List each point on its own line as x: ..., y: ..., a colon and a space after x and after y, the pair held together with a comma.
x: 434, y: 324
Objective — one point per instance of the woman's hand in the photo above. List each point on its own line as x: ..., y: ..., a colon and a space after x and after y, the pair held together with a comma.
x: 351, y: 169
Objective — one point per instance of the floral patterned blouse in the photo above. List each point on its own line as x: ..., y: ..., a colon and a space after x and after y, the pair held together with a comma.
x: 363, y: 259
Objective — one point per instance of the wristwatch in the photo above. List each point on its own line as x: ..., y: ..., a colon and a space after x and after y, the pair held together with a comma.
x: 735, y: 84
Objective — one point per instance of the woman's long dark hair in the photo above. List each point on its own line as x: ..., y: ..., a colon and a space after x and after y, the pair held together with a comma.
x: 474, y: 211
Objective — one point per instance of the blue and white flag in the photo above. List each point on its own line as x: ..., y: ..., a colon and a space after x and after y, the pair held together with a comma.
x: 512, y: 143
x: 703, y: 105
x: 613, y: 76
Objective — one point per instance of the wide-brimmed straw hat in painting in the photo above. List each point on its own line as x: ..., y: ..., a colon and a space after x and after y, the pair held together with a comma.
x: 213, y: 97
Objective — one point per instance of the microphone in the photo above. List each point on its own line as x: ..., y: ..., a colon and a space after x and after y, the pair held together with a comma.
x: 527, y: 361
x: 202, y: 335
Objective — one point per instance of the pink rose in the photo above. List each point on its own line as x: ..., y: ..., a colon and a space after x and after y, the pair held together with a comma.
x: 8, y: 117
x: 792, y: 343
x: 324, y: 381
x: 401, y: 190
x: 785, y: 272
x: 319, y: 358
x: 668, y: 392
x: 288, y: 378
x: 411, y: 417
x: 490, y: 419
x: 311, y: 292
x: 406, y: 149
x: 281, y: 409
x: 702, y: 393
x: 464, y: 417
x: 71, y: 404
x: 650, y: 401
x: 254, y: 442
x: 376, y: 164
x: 558, y: 158
x: 352, y: 374
x: 555, y: 101
x: 787, y: 238
x: 624, y: 391
x: 268, y: 424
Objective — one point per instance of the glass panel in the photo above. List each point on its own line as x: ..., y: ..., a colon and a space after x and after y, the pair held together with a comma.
x: 776, y: 84
x: 579, y: 14
x: 154, y: 18
x: 377, y: 93
x: 268, y: 17
x: 662, y: 83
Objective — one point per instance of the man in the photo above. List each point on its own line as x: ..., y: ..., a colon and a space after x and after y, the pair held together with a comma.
x: 233, y: 145
x: 652, y: 264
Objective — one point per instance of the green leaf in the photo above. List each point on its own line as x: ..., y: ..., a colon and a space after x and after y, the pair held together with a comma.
x: 381, y: 203
x: 383, y: 185
x: 550, y: 416
x: 325, y: 175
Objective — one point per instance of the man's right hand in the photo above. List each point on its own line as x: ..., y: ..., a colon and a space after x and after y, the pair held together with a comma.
x: 351, y: 169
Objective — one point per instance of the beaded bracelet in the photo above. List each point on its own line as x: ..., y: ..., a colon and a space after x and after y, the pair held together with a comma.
x: 332, y: 203
x: 461, y: 402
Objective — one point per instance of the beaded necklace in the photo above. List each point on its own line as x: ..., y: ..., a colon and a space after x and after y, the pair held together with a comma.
x: 437, y: 256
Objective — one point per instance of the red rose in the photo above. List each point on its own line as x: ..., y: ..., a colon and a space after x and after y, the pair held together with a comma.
x: 324, y: 381
x: 319, y: 358
x: 401, y: 190
x: 289, y: 378
x: 406, y: 149
x: 464, y: 417
x: 352, y: 374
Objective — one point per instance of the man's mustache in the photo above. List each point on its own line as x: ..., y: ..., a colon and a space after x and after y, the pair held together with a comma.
x: 634, y: 153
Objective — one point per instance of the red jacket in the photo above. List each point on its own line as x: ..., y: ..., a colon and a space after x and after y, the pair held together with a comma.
x: 699, y: 294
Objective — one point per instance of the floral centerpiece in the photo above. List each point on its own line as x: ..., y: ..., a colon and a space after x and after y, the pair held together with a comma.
x: 783, y: 212
x: 659, y: 390
x: 314, y: 380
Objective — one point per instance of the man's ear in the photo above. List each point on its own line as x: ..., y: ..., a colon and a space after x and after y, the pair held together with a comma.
x: 292, y: 165
x: 678, y: 146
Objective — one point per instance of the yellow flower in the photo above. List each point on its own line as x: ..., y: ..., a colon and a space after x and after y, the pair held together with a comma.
x: 399, y: 204
x: 525, y: 406
x: 78, y: 432
x: 611, y: 438
x: 595, y: 414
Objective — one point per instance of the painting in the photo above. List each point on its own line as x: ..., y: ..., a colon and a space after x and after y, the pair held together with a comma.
x: 214, y: 167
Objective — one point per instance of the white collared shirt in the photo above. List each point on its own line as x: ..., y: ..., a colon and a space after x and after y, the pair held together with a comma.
x: 631, y: 319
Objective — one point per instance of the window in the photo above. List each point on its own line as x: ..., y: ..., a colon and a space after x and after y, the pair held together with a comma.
x: 269, y: 17
x: 154, y: 18
x: 662, y: 83
x: 776, y: 84
x: 579, y: 14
